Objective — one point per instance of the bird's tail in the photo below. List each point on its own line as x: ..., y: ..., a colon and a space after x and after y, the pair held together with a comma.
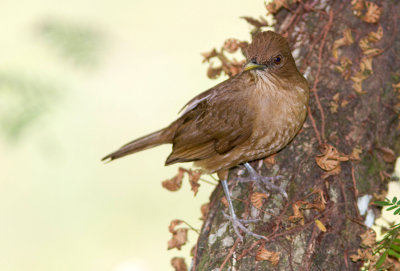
x: 140, y: 144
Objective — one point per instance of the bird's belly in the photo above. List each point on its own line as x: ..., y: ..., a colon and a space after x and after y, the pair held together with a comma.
x: 275, y: 134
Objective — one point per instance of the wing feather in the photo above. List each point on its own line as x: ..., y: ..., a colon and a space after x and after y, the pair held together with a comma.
x: 215, y: 125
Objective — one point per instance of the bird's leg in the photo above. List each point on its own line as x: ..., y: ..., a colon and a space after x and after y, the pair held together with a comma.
x: 237, y: 223
x: 259, y: 180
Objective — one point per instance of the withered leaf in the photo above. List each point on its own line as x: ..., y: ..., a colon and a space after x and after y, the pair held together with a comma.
x: 345, y: 67
x: 355, y: 154
x: 330, y: 158
x: 320, y: 225
x: 212, y: 72
x: 347, y: 39
x: 232, y: 45
x: 274, y: 6
x: 224, y: 201
x: 179, y: 238
x: 373, y: 13
x: 366, y: 65
x: 208, y: 55
x: 175, y: 183
x: 173, y: 224
x: 270, y: 160
x: 257, y: 199
x: 368, y: 238
x: 396, y: 86
x: 297, y: 215
x: 179, y: 264
x: 357, y: 6
x: 356, y: 257
x: 376, y: 36
x: 194, y: 178
x: 254, y: 22
x: 205, y: 208
x: 266, y: 255
x: 387, y: 154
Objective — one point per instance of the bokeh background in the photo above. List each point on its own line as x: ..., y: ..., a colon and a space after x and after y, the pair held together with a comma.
x: 77, y: 80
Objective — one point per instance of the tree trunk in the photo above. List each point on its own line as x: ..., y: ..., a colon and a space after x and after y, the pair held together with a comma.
x: 352, y: 108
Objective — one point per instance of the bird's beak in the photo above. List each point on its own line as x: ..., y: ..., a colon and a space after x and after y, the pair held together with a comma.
x: 253, y: 66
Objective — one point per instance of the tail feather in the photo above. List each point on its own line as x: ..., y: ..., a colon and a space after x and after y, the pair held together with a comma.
x: 140, y: 144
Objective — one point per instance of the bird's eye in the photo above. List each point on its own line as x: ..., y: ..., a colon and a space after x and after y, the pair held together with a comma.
x: 278, y: 59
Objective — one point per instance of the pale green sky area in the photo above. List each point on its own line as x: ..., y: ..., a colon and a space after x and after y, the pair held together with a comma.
x: 60, y: 207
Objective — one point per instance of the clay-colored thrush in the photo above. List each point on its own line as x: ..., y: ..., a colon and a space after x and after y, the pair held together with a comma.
x: 247, y: 117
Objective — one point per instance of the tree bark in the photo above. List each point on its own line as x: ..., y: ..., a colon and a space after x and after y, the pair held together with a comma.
x: 340, y: 115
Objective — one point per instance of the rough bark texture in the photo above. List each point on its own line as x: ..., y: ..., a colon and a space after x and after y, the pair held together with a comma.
x: 368, y: 121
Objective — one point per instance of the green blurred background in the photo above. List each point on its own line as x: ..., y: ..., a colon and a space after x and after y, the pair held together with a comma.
x: 77, y: 80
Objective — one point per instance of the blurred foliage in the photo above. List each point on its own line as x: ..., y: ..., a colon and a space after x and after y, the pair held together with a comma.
x: 79, y: 44
x: 23, y: 100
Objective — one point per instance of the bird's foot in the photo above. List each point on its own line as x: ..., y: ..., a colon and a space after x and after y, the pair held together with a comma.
x: 237, y: 225
x: 259, y: 180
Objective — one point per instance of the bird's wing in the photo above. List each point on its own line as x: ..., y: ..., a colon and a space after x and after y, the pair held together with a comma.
x: 218, y: 120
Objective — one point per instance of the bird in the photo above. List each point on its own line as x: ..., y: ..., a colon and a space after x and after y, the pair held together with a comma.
x: 247, y: 117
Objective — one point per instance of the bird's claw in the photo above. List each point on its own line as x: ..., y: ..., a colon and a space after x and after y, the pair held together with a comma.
x: 254, y: 176
x: 237, y: 225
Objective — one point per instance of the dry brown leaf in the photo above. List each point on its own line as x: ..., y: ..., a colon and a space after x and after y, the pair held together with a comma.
x: 270, y: 160
x: 256, y: 23
x: 297, y: 215
x: 335, y: 171
x: 355, y: 154
x: 364, y: 254
x: 175, y: 183
x: 330, y: 158
x: 356, y: 257
x: 388, y: 155
x: 376, y: 36
x: 179, y: 238
x: 334, y: 103
x: 371, y: 52
x: 208, y: 55
x: 224, y: 201
x: 396, y: 86
x: 233, y: 67
x: 366, y: 65
x: 357, y: 6
x: 357, y: 82
x: 179, y: 264
x: 232, y: 45
x: 320, y: 225
x: 318, y: 204
x: 213, y: 72
x: 368, y: 238
x: 173, y: 224
x: 345, y: 67
x: 347, y: 39
x: 365, y: 45
x: 266, y: 255
x: 205, y: 208
x: 194, y: 177
x: 381, y: 196
x: 257, y: 199
x: 373, y: 13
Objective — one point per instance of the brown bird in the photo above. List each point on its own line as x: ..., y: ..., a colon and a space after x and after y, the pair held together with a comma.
x: 247, y: 117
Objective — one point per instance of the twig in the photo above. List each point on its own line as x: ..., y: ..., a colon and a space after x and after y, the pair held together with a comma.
x: 244, y: 253
x: 191, y: 227
x: 317, y: 134
x: 314, y: 88
x: 229, y: 254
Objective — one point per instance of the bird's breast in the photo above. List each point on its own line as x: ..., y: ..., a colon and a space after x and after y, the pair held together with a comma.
x: 281, y: 115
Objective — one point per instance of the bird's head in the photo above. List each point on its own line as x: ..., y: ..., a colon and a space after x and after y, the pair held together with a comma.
x: 269, y: 52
